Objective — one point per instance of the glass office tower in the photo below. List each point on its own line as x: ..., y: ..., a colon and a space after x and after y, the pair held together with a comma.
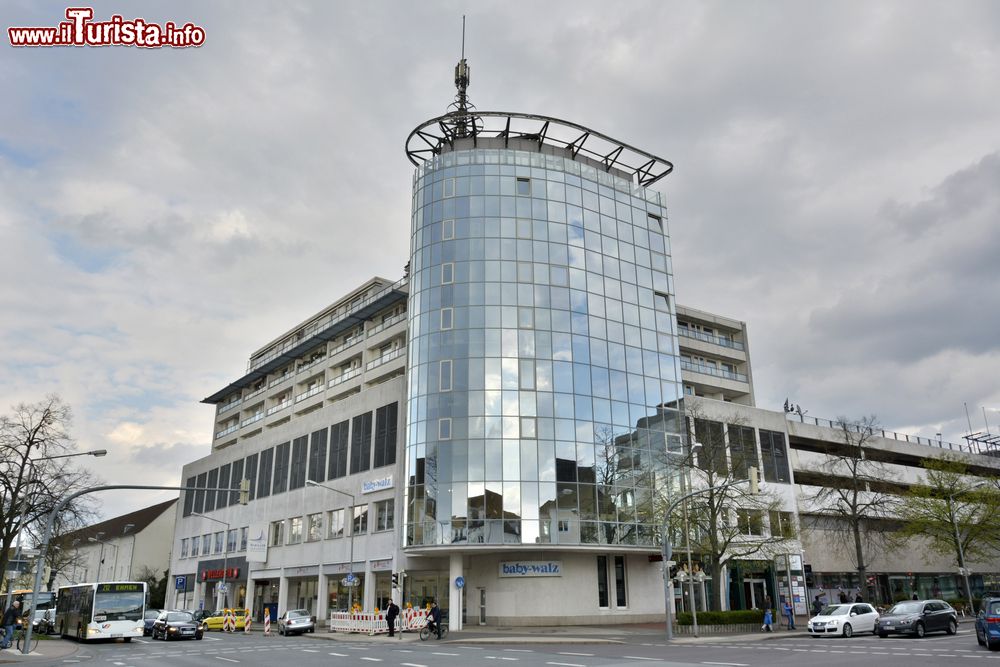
x: 543, y: 374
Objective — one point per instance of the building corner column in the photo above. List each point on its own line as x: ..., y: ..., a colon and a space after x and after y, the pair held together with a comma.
x: 322, y: 597
x: 251, y: 586
x: 455, y: 570
x: 282, y: 594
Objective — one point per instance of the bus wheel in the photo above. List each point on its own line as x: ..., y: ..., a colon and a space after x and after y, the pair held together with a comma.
x: 128, y: 640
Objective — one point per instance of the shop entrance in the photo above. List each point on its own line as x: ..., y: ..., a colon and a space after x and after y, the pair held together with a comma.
x: 755, y: 591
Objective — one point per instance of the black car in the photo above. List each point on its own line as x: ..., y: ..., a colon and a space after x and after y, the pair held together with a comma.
x: 918, y: 617
x: 176, y: 625
x: 148, y: 619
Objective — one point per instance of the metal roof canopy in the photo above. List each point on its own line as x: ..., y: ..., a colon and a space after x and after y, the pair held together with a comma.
x: 352, y: 319
x: 430, y: 138
x: 988, y: 439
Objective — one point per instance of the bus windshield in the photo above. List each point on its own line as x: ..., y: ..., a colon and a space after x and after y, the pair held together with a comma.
x: 112, y: 605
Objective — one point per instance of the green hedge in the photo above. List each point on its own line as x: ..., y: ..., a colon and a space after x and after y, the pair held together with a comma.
x: 722, y: 617
x: 958, y: 603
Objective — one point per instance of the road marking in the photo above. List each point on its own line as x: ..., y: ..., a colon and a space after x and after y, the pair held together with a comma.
x: 411, y: 664
x: 730, y: 664
x: 439, y: 653
x: 309, y: 650
x: 571, y: 653
x: 519, y: 650
x: 339, y: 655
x: 637, y: 657
x: 372, y: 659
x: 219, y: 657
x: 566, y: 664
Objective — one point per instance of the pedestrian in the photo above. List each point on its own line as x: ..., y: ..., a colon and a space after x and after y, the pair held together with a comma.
x: 390, y: 617
x: 768, y: 620
x: 790, y: 613
x: 843, y: 596
x: 435, y: 617
x: 817, y: 606
x: 8, y: 623
x: 915, y: 595
x: 858, y: 598
x: 768, y: 602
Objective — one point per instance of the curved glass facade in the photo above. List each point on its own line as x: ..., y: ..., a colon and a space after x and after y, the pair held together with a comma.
x: 543, y: 369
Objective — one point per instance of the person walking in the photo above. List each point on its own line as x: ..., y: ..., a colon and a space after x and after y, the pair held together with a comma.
x: 768, y: 620
x: 843, y: 597
x: 858, y: 598
x: 435, y: 617
x: 790, y: 613
x: 8, y: 622
x: 390, y: 617
x: 817, y: 605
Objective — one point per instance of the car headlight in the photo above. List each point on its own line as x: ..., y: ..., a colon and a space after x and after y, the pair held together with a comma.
x: 171, y: 629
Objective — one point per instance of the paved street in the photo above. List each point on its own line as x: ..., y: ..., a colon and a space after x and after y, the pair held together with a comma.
x: 255, y: 650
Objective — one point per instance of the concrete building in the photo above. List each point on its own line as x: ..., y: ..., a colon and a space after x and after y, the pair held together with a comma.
x: 120, y: 549
x: 506, y: 423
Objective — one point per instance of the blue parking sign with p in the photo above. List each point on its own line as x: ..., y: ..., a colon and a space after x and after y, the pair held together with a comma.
x: 180, y: 583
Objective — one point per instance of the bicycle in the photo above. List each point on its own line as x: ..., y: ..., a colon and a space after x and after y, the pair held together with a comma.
x: 20, y: 634
x: 425, y: 632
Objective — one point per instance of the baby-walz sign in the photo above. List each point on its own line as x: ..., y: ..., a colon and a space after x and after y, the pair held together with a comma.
x: 531, y: 568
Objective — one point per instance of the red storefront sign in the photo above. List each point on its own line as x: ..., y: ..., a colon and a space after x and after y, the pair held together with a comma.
x: 229, y: 572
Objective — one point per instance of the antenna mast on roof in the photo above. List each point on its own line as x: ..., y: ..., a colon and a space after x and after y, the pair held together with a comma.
x: 462, y: 122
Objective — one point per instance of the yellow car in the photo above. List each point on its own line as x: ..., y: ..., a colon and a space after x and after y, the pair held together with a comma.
x: 214, y: 621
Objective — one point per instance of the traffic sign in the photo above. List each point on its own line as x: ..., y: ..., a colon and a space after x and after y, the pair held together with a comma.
x: 180, y: 583
x: 350, y: 582
x: 350, y: 577
x: 459, y: 582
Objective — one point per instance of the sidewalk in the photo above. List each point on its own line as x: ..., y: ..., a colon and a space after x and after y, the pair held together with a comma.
x: 48, y: 649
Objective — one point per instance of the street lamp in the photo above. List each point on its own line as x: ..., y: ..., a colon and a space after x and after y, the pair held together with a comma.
x: 962, y: 569
x: 24, y: 512
x: 225, y: 560
x: 350, y: 576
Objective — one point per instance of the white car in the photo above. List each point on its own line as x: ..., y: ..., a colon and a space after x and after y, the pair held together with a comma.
x: 844, y: 620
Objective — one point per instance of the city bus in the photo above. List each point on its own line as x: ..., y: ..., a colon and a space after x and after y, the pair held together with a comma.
x: 105, y: 610
x: 27, y: 598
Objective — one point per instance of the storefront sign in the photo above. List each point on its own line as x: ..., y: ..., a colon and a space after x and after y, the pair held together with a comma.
x: 257, y: 544
x: 371, y: 486
x: 531, y: 568
x: 228, y: 573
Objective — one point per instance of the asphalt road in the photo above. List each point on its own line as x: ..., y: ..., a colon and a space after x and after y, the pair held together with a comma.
x: 255, y: 650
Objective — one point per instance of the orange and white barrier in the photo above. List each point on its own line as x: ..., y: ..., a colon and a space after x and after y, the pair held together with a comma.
x: 228, y: 622
x: 375, y: 623
x: 246, y: 621
x: 267, y: 622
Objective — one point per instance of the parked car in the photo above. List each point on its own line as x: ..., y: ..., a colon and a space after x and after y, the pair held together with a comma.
x: 844, y: 620
x: 43, y: 621
x: 215, y: 620
x: 918, y: 617
x: 176, y: 625
x: 148, y: 619
x: 988, y: 623
x: 296, y: 621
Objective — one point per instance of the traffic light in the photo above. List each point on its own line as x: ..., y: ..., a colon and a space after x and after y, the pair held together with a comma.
x: 754, y: 481
x: 244, y: 491
x: 395, y: 580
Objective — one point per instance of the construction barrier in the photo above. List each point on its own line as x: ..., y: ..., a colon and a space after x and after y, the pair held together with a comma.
x: 246, y: 621
x: 375, y: 623
x: 228, y: 622
x: 267, y: 623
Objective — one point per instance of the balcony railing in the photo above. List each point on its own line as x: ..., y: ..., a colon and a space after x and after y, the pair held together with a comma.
x: 250, y: 420
x: 344, y: 377
x: 712, y: 370
x: 314, y: 362
x: 395, y: 319
x: 279, y: 407
x: 385, y: 358
x: 312, y: 392
x: 350, y: 342
x: 278, y: 380
x: 226, y: 431
x: 969, y: 448
x: 255, y: 392
x: 708, y: 338
x: 313, y: 329
x: 229, y: 406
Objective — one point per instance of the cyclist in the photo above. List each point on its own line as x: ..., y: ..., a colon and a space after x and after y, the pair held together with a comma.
x: 434, y: 620
x: 9, y: 621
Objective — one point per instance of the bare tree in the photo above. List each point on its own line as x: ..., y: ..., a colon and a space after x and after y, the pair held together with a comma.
x: 729, y: 523
x: 31, y: 483
x: 855, y: 491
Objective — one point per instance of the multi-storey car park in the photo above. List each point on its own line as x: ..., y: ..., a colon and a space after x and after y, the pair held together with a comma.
x: 496, y: 425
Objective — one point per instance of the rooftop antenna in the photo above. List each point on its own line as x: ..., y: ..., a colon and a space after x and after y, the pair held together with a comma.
x: 463, y: 122
x: 967, y: 418
x: 987, y: 421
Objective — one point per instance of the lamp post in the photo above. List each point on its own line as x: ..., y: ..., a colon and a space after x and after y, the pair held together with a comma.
x: 24, y: 512
x: 350, y: 589
x: 962, y: 569
x: 225, y: 559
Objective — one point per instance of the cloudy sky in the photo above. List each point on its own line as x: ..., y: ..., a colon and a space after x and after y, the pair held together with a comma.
x: 165, y: 212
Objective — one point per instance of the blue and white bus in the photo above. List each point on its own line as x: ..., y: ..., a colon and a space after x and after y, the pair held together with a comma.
x: 105, y: 610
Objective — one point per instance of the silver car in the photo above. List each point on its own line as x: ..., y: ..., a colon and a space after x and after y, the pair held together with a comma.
x: 295, y: 622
